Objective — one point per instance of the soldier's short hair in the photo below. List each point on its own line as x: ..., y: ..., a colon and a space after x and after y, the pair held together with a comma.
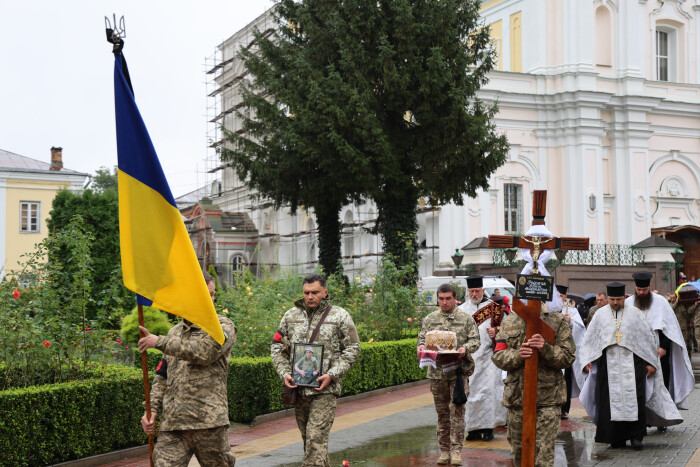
x: 444, y: 288
x: 311, y: 278
x: 207, y: 277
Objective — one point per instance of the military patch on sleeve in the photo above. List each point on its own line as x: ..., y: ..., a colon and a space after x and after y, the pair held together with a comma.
x: 277, y: 338
x: 500, y: 345
x: 162, y: 368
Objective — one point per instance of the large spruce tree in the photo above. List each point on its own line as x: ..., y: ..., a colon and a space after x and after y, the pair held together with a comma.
x: 369, y: 99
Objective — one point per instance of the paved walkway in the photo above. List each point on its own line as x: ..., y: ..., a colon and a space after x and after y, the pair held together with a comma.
x: 398, y: 429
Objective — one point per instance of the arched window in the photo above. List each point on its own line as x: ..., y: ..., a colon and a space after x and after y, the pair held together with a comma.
x: 238, y: 263
x: 603, y: 37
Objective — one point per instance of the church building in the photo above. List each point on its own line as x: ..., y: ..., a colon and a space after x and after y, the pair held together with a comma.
x: 600, y: 101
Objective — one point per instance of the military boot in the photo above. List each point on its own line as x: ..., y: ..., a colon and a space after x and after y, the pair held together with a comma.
x: 444, y: 458
x: 456, y: 458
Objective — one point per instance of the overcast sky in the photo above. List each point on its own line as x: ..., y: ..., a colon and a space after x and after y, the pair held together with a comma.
x: 57, y: 88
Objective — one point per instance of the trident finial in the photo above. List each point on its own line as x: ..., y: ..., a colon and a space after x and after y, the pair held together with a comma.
x: 116, y: 34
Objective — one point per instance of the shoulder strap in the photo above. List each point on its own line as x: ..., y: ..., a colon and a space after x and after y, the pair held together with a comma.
x: 320, y: 322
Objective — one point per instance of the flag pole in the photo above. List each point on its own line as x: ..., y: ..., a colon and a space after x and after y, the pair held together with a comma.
x: 146, y: 388
x: 115, y: 36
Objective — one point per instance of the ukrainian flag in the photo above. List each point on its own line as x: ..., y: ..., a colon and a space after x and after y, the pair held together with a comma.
x: 158, y: 260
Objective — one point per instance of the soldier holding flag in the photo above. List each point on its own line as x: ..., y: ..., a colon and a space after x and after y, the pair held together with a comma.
x: 190, y: 392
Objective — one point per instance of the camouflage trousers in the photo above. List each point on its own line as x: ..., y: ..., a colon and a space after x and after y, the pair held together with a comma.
x: 450, y: 425
x: 686, y: 317
x: 210, y: 446
x: 315, y: 415
x: 547, y: 428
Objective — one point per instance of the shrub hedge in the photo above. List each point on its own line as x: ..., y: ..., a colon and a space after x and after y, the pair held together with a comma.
x: 57, y: 422
x: 43, y: 425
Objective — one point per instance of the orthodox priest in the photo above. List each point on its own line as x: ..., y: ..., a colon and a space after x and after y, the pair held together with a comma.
x: 619, y: 353
x: 484, y: 409
x: 573, y: 375
x: 675, y: 364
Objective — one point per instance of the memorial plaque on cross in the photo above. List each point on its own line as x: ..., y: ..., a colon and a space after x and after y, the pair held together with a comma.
x: 530, y: 313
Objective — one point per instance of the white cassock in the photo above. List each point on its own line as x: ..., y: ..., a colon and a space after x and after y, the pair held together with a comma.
x: 637, y: 338
x: 484, y: 409
x: 578, y: 329
x: 661, y: 317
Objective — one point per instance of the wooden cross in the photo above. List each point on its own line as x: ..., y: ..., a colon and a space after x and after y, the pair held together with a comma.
x: 535, y: 243
x: 530, y: 313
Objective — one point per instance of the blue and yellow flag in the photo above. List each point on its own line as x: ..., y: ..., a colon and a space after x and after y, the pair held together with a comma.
x: 158, y: 260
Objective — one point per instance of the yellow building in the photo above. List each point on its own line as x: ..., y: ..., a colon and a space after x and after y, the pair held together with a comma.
x: 27, y: 189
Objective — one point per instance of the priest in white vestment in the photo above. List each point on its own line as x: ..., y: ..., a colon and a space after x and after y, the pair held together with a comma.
x: 675, y: 364
x: 484, y: 410
x: 624, y: 391
x: 574, y: 374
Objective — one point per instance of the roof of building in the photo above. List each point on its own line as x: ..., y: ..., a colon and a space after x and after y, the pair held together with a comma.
x: 655, y: 241
x: 478, y: 242
x: 9, y: 161
x: 238, y: 221
x: 192, y: 197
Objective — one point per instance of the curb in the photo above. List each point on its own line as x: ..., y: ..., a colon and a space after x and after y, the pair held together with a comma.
x: 268, y: 417
x: 138, y: 451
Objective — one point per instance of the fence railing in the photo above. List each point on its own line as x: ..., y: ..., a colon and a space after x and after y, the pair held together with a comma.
x: 597, y: 254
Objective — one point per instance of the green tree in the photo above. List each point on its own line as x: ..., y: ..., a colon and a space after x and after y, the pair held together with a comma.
x: 100, y: 214
x: 104, y: 180
x: 378, y: 98
x: 306, y: 146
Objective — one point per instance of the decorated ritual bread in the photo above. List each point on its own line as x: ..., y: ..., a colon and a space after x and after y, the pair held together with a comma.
x: 441, y: 341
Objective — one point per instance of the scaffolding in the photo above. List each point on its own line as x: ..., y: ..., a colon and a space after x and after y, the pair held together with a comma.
x: 282, y: 240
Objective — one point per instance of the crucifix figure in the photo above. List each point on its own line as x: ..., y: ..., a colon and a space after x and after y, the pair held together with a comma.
x: 537, y: 242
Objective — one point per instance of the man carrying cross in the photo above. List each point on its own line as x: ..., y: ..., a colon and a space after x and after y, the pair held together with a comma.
x: 511, y: 352
x: 619, y: 353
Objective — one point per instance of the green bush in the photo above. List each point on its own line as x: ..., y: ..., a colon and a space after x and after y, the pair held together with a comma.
x: 153, y: 356
x: 53, y: 423
x: 254, y: 388
x: 43, y: 425
x: 381, y: 309
x: 156, y: 322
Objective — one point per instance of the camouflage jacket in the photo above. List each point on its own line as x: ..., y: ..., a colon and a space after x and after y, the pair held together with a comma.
x: 551, y: 386
x: 337, y: 334
x: 467, y: 336
x: 189, y: 389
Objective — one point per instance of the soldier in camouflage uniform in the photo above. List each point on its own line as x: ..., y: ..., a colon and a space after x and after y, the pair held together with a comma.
x: 451, y: 422
x: 685, y: 314
x: 306, y: 368
x: 190, y: 392
x: 315, y: 407
x: 510, y: 354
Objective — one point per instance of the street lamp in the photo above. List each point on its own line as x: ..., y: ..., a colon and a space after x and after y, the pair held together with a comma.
x: 560, y: 254
x: 678, y: 255
x: 457, y: 259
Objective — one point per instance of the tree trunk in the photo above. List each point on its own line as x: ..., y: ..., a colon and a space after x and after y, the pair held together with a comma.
x: 398, y: 227
x: 329, y: 242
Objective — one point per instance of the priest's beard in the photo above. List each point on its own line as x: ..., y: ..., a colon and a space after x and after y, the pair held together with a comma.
x: 475, y: 300
x: 643, y: 302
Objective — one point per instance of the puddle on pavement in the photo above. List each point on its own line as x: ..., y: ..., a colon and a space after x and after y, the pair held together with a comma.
x: 418, y: 447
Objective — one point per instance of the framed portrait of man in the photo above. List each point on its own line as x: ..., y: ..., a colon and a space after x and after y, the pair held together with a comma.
x: 308, y: 364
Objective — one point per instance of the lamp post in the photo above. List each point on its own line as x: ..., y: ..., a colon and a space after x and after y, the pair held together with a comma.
x: 678, y: 255
x: 510, y: 255
x: 457, y: 259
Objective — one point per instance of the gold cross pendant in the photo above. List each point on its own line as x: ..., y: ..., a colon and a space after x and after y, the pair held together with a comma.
x: 618, y: 335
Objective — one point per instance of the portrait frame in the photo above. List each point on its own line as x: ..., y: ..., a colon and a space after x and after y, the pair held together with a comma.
x: 307, y: 369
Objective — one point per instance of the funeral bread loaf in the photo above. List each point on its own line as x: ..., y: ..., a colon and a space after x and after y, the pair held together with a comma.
x: 440, y: 340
